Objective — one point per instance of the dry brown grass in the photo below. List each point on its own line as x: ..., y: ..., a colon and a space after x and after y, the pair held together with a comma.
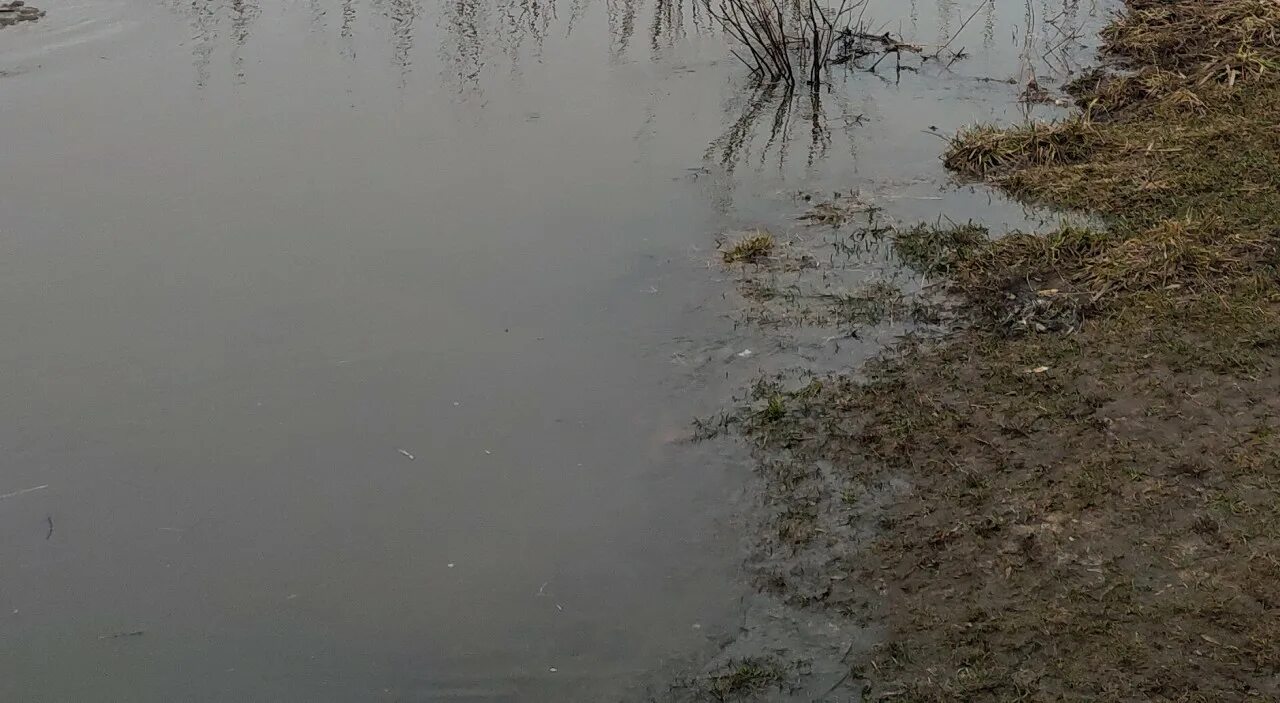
x: 1192, y: 32
x: 1201, y: 255
x: 983, y: 150
x: 1101, y: 93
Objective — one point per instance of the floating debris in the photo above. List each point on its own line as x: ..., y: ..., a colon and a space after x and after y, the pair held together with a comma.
x: 835, y: 212
x: 117, y: 635
x: 18, y: 11
x: 22, y: 491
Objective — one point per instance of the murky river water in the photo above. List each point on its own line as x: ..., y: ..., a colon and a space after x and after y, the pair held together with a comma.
x: 347, y: 342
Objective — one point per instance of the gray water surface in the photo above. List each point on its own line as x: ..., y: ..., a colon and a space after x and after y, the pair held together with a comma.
x: 346, y: 341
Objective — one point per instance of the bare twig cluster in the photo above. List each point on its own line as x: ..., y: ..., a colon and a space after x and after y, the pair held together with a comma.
x: 793, y: 41
x: 790, y: 42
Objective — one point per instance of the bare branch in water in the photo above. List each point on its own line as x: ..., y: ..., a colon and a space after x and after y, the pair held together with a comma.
x: 782, y: 47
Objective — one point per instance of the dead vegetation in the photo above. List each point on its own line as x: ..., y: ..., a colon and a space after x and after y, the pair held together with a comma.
x: 18, y: 11
x: 784, y: 43
x: 751, y: 248
x: 791, y: 43
x: 1089, y: 472
x: 750, y: 679
x: 1192, y: 35
x: 838, y: 211
x: 984, y: 149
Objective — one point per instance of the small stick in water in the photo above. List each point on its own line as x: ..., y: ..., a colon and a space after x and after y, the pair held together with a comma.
x: 115, y: 635
x: 23, y: 491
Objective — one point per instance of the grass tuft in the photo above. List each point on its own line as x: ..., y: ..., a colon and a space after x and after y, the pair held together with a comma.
x: 984, y: 150
x: 751, y: 249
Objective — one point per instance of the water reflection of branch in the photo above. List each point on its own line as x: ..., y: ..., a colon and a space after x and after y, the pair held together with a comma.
x: 402, y: 14
x: 770, y: 115
x: 944, y: 10
x: 317, y: 14
x: 669, y: 21
x: 472, y: 33
x: 463, y: 21
x: 523, y: 19
x: 345, y: 31
x: 819, y: 133
x: 576, y: 9
x: 989, y: 27
x: 780, y: 127
x: 735, y: 141
x: 243, y: 15
x: 622, y: 24
x: 664, y: 16
x: 212, y: 22
x: 204, y: 29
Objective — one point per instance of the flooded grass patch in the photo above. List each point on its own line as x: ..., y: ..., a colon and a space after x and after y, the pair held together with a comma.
x: 935, y: 249
x: 749, y: 679
x: 815, y: 276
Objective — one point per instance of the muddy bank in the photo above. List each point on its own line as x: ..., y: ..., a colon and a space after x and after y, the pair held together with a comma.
x: 1073, y: 495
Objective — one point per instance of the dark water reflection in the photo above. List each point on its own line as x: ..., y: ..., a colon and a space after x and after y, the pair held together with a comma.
x: 255, y: 256
x: 470, y: 31
x: 772, y: 121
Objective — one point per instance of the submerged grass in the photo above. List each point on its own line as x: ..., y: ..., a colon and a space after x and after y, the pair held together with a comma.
x: 797, y: 282
x: 937, y: 249
x: 750, y: 679
x: 1094, y: 465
